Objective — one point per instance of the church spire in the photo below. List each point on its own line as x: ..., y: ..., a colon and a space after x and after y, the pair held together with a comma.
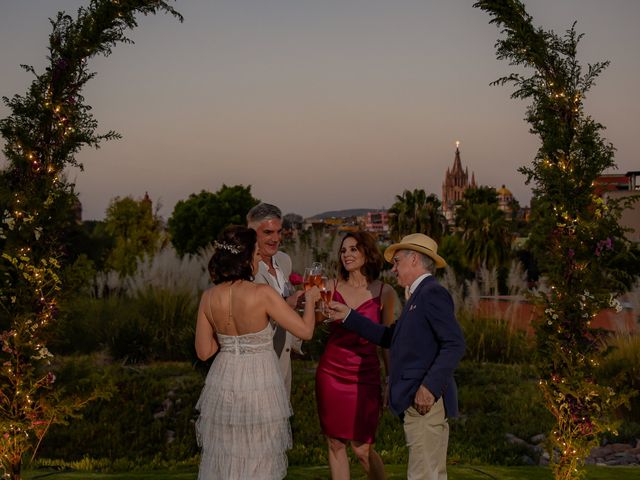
x: 457, y: 163
x: 456, y: 181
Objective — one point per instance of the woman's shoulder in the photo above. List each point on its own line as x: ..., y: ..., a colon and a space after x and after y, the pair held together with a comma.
x: 379, y: 286
x: 386, y: 287
x: 388, y: 292
x: 262, y: 290
x: 208, y: 292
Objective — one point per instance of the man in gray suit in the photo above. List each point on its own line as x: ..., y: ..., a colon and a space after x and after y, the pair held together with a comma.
x: 274, y: 269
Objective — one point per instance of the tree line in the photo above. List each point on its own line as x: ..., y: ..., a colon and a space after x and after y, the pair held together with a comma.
x: 482, y: 235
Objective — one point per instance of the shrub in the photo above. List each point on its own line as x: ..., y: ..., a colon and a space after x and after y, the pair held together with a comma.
x: 171, y: 318
x: 83, y: 325
x: 153, y: 323
x: 494, y: 340
x: 150, y: 415
x: 313, y: 348
x: 495, y: 400
x: 131, y: 336
x: 309, y: 444
x: 149, y: 419
x: 620, y: 368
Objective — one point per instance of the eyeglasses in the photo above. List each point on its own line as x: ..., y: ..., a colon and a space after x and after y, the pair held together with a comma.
x: 395, y: 260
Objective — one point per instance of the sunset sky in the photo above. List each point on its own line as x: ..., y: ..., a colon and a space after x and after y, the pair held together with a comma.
x: 319, y: 104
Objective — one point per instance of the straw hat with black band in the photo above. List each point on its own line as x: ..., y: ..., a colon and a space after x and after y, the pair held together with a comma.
x: 418, y: 242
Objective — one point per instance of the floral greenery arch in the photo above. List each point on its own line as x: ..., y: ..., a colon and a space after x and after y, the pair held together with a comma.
x: 46, y: 128
x: 576, y: 238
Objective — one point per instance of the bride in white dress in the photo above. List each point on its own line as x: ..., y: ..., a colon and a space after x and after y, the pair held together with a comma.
x: 243, y: 426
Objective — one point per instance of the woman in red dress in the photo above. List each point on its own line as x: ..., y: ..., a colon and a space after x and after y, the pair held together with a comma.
x: 348, y: 385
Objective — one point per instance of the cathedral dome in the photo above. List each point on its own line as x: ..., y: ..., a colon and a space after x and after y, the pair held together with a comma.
x: 504, y: 192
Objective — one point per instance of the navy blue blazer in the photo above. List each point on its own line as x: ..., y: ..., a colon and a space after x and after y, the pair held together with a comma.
x: 425, y: 345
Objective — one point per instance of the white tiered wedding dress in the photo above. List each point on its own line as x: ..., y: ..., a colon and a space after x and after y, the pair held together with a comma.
x: 243, y: 427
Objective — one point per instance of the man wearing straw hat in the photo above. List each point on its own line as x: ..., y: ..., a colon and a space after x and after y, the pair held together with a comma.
x: 425, y: 345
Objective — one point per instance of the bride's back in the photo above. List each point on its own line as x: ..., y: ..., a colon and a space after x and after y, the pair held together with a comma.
x: 237, y: 308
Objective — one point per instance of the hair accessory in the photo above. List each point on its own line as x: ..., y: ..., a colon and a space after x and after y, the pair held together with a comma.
x: 226, y: 246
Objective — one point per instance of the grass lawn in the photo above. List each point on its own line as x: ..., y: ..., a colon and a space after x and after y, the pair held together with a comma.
x: 456, y: 472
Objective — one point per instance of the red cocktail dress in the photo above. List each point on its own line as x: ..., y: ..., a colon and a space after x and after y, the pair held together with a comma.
x: 348, y: 380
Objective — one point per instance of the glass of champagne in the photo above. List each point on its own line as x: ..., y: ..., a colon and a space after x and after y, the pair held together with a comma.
x: 312, y: 276
x: 316, y: 274
x: 308, y: 279
x: 326, y: 293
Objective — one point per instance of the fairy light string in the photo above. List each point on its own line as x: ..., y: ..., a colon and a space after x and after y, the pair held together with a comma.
x: 47, y: 126
x: 576, y: 238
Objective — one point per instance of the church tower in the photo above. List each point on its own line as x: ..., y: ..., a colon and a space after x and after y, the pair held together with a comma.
x: 505, y: 199
x: 456, y: 181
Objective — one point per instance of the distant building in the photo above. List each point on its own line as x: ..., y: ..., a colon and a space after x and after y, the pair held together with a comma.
x: 377, y: 222
x: 147, y: 202
x: 634, y: 180
x: 505, y: 200
x: 456, y: 182
x: 616, y: 186
x: 610, y: 182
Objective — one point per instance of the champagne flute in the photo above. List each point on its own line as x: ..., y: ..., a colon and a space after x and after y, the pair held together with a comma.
x: 308, y: 279
x: 316, y: 274
x: 326, y: 293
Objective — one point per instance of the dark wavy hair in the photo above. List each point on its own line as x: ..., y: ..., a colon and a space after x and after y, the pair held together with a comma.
x: 366, y: 244
x: 233, y: 256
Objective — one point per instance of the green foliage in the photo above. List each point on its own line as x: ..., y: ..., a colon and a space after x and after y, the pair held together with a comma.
x: 496, y: 396
x: 196, y: 222
x: 575, y: 237
x: 133, y: 428
x: 151, y: 324
x: 130, y: 337
x: 494, y: 340
x: 416, y: 212
x: 620, y: 368
x: 484, y: 229
x: 149, y: 416
x: 78, y: 277
x: 481, y: 194
x: 313, y: 348
x: 171, y: 318
x: 309, y: 445
x: 95, y: 242
x: 136, y: 231
x: 452, y: 249
x: 83, y: 324
x: 46, y: 128
x: 496, y: 399
x: 140, y: 468
x: 393, y: 472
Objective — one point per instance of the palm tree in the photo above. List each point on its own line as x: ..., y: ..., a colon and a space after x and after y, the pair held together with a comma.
x: 481, y: 194
x: 416, y: 212
x: 486, y: 234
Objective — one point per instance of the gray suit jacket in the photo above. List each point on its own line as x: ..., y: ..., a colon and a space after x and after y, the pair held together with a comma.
x: 282, y: 340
